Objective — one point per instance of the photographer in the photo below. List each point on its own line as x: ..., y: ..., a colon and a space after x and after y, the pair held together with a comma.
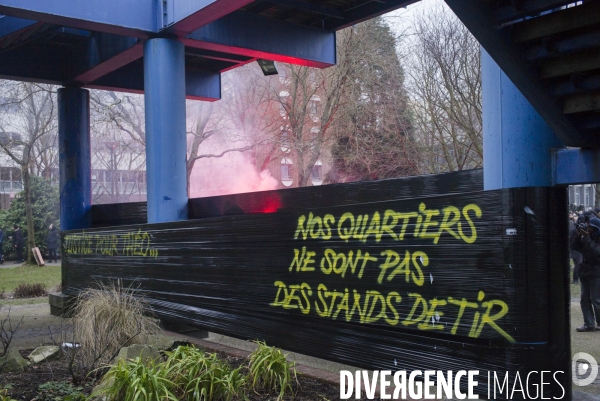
x: 575, y: 255
x: 587, y: 241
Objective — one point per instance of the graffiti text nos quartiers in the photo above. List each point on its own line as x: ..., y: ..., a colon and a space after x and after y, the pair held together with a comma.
x: 134, y: 243
x: 392, y: 267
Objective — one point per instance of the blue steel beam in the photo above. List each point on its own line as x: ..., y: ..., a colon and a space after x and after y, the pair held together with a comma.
x: 49, y: 65
x: 367, y: 10
x: 310, y: 7
x: 138, y: 18
x: 576, y: 166
x: 517, y: 142
x: 261, y: 37
x: 107, y: 53
x: 37, y: 63
x: 74, y: 158
x: 164, y: 84
x: 199, y: 84
x: 182, y: 17
x: 10, y: 25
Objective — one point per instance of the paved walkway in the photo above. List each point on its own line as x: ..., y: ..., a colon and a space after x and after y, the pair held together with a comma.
x: 11, y: 263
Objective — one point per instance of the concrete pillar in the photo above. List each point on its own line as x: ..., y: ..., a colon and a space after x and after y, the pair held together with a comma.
x: 164, y: 89
x: 74, y: 158
x: 517, y: 142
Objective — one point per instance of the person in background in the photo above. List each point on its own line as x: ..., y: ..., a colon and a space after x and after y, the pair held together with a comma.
x: 587, y: 241
x: 18, y: 243
x: 575, y: 255
x: 52, y: 243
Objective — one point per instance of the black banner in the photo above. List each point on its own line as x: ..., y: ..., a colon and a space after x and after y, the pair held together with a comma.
x: 448, y: 282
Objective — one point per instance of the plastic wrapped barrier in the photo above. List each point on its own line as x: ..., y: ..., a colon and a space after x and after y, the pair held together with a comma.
x: 472, y: 281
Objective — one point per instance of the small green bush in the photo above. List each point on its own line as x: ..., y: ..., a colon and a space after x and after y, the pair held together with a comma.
x: 34, y: 290
x: 137, y: 381
x: 199, y: 376
x: 269, y: 370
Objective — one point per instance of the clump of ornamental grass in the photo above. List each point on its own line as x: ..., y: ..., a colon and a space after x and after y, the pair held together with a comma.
x: 269, y: 370
x: 136, y: 380
x: 201, y: 376
x: 107, y: 318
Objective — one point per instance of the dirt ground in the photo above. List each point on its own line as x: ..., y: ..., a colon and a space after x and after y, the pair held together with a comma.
x: 37, y: 326
x: 26, y: 386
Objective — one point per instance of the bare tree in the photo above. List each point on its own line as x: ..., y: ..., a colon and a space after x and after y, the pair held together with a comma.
x: 248, y: 112
x: 26, y: 127
x: 308, y: 100
x: 236, y: 124
x: 118, y: 147
x: 445, y: 92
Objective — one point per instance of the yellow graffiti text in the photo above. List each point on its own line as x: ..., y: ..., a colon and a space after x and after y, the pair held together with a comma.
x: 423, y: 224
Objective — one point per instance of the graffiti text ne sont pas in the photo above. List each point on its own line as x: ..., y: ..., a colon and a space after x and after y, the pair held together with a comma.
x: 392, y: 267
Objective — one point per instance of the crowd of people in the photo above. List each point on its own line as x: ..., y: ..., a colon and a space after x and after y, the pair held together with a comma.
x: 584, y: 245
x: 18, y: 242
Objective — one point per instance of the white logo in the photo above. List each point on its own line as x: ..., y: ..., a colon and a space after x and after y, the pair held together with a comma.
x: 581, y: 368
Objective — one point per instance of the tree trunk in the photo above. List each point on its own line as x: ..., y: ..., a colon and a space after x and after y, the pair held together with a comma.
x: 28, y: 212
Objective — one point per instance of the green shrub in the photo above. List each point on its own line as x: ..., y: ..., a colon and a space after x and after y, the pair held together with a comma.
x: 203, y: 377
x: 137, y: 381
x: 34, y: 290
x: 269, y: 370
x: 45, y: 199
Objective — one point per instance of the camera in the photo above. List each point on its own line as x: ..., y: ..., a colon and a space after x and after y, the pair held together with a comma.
x: 582, y: 227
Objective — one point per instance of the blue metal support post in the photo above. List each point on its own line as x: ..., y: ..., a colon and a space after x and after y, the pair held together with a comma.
x: 74, y: 158
x: 164, y: 87
x: 517, y: 142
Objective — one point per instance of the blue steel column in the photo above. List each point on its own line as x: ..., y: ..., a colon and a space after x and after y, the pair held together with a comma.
x: 74, y: 158
x: 517, y: 142
x: 164, y: 89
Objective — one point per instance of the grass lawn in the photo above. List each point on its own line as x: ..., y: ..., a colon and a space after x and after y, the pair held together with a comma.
x: 10, y: 277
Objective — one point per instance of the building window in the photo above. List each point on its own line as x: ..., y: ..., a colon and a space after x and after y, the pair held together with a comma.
x: 10, y: 180
x: 577, y: 196
x: 285, y: 171
x: 286, y: 176
x: 587, y: 196
x: 317, y: 173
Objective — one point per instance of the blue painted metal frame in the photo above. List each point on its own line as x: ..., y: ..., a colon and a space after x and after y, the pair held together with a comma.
x: 37, y: 64
x: 262, y: 37
x: 182, y: 17
x: 576, y: 166
x: 199, y: 84
x: 132, y: 17
x: 517, y: 142
x: 164, y: 85
x: 74, y: 158
x: 106, y: 53
x: 10, y: 25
